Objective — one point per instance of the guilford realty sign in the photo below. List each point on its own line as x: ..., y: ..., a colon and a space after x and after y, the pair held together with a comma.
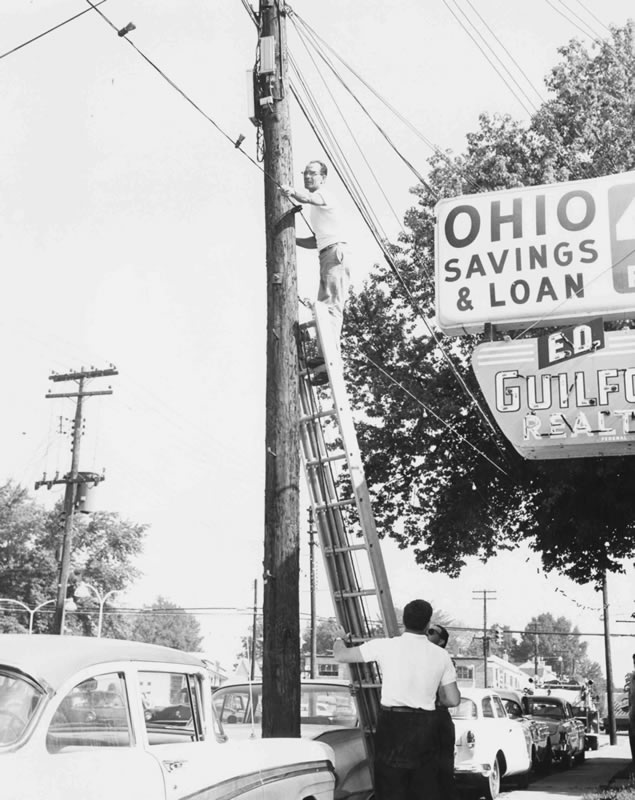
x: 543, y: 255
x: 570, y: 393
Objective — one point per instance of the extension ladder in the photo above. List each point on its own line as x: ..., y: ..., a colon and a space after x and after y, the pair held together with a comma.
x: 341, y: 507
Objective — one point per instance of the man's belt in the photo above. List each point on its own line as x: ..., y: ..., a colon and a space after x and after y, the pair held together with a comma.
x: 406, y: 710
x: 329, y: 246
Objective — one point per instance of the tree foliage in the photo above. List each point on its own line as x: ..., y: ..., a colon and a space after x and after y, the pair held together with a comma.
x: 104, y: 549
x: 445, y: 482
x: 168, y: 624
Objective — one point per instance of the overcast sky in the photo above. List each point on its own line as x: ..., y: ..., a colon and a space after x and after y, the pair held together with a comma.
x: 132, y: 233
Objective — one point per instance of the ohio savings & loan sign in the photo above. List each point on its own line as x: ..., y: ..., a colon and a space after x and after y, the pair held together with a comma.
x: 546, y: 256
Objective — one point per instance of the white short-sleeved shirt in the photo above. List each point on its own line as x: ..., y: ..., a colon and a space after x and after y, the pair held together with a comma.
x: 412, y: 669
x: 326, y: 221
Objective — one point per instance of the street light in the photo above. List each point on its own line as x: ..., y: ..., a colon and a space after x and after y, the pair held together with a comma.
x: 79, y: 592
x: 30, y: 611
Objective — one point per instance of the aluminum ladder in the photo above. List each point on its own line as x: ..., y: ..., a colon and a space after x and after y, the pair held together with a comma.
x: 341, y: 507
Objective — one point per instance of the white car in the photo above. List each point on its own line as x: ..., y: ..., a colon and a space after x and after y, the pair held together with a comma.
x: 489, y: 745
x: 327, y: 714
x: 74, y: 725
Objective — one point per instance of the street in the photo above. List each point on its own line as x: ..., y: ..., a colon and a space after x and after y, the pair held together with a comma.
x: 597, y: 770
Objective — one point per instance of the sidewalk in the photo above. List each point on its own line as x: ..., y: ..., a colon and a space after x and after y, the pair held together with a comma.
x: 620, y: 754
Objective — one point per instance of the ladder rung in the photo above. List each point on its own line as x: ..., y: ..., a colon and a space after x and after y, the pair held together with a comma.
x: 335, y: 504
x: 365, y: 685
x: 358, y: 593
x: 316, y: 462
x: 349, y: 548
x: 330, y: 412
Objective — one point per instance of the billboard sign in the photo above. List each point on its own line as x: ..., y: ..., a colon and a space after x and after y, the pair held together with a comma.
x: 541, y: 255
x: 577, y: 406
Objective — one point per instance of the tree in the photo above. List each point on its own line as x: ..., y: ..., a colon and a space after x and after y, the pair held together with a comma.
x: 165, y: 623
x: 552, y: 639
x: 104, y: 547
x: 326, y: 632
x: 456, y: 488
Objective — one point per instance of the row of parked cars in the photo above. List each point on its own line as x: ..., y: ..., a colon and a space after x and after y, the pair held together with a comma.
x: 102, y: 718
x: 499, y: 734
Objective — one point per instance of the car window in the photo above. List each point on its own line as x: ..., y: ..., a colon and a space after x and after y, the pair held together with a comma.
x: 239, y: 704
x: 513, y: 709
x: 498, y: 707
x: 466, y: 709
x: 488, y: 709
x: 18, y: 701
x: 93, y: 714
x: 327, y: 705
x: 171, y: 706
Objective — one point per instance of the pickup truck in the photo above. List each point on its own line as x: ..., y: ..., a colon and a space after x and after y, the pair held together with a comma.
x: 565, y: 730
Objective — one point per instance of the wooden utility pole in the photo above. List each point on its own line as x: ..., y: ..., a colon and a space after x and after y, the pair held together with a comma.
x: 281, y: 605
x: 608, y: 660
x: 72, y: 478
x: 484, y: 593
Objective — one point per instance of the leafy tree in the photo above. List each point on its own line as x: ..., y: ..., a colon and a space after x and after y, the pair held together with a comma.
x: 245, y: 642
x: 104, y: 547
x: 326, y: 632
x: 445, y: 482
x: 551, y: 638
x: 165, y: 623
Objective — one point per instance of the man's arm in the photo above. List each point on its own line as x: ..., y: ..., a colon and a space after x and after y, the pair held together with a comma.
x: 312, y: 198
x: 346, y: 655
x: 307, y: 242
x: 449, y: 695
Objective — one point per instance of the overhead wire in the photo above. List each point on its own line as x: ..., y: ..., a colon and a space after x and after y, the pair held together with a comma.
x: 50, y: 30
x: 528, y: 110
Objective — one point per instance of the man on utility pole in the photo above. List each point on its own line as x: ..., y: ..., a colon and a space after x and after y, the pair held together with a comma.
x: 281, y: 604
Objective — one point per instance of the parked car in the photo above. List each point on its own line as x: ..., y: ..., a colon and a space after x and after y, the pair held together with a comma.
x: 565, y: 731
x: 328, y: 714
x: 583, y: 702
x: 489, y: 745
x: 540, y: 742
x: 92, y: 754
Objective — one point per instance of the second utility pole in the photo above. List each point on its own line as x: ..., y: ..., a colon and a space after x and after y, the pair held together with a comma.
x: 71, y: 480
x: 281, y: 602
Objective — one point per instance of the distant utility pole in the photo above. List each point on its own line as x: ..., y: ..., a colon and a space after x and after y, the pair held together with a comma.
x: 72, y: 478
x: 486, y: 594
x: 281, y: 602
x: 608, y: 660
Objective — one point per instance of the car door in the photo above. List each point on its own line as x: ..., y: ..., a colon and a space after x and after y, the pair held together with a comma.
x: 183, y: 743
x: 513, y: 740
x: 83, y: 752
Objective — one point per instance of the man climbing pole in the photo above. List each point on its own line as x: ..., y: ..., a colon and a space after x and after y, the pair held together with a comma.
x: 330, y: 241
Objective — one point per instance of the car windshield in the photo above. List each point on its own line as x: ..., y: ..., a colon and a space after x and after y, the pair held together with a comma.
x: 18, y: 700
x: 321, y: 704
x: 546, y: 709
x: 466, y: 709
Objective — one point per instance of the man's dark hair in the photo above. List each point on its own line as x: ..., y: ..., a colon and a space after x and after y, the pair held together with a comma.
x: 443, y: 633
x: 416, y: 615
x: 322, y: 166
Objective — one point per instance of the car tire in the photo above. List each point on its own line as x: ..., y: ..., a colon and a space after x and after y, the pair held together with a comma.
x: 580, y: 757
x: 491, y: 785
x: 565, y: 761
x: 594, y: 743
x: 545, y: 765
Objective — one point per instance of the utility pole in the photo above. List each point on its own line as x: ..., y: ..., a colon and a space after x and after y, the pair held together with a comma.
x: 281, y: 603
x: 536, y: 652
x: 608, y: 660
x: 72, y: 478
x: 312, y: 544
x: 254, y: 630
x: 486, y: 594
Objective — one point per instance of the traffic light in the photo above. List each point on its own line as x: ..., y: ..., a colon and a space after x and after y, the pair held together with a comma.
x: 498, y: 634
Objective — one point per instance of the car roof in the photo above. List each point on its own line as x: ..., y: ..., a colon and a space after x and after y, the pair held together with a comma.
x: 50, y: 660
x: 472, y: 693
x: 304, y: 682
x: 508, y: 694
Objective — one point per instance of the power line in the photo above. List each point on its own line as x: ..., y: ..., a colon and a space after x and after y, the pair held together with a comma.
x: 50, y: 30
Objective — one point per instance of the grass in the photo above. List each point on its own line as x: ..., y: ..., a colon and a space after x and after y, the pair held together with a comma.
x: 624, y: 792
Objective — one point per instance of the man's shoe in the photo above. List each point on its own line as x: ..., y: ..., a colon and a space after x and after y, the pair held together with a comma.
x: 315, y: 361
x: 319, y: 379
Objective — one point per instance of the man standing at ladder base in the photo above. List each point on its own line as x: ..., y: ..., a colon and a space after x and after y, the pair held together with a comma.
x: 329, y: 239
x: 415, y: 674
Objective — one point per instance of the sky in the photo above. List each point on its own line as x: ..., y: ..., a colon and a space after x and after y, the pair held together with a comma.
x: 132, y: 232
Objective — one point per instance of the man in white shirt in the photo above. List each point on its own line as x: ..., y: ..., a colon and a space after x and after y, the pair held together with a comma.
x: 415, y: 674
x: 329, y: 239
x: 631, y: 711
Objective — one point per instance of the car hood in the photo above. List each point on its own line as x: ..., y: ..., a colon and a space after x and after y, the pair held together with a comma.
x: 278, y: 752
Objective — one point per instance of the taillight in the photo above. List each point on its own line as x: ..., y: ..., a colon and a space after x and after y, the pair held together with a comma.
x: 470, y: 739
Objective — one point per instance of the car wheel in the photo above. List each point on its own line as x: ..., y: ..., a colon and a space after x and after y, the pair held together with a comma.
x: 492, y: 784
x: 565, y: 761
x: 547, y: 762
x: 580, y: 757
x: 594, y: 743
x: 522, y: 780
